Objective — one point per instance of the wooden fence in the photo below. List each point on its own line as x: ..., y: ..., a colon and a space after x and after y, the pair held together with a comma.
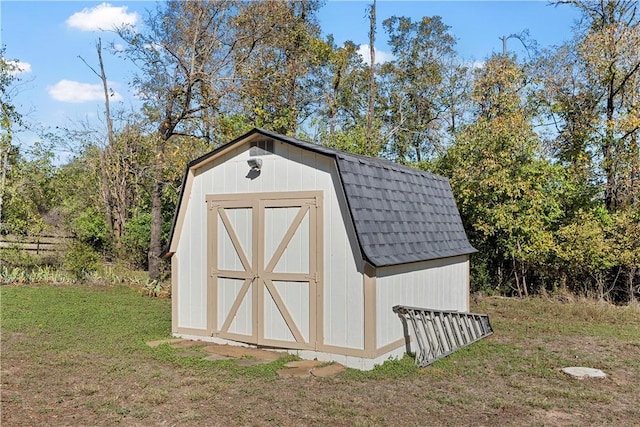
x: 38, y: 245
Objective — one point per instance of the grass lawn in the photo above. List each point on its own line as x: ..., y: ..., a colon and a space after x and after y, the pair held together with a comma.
x: 76, y: 355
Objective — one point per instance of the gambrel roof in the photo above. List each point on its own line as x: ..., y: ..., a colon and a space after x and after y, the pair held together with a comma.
x: 400, y: 214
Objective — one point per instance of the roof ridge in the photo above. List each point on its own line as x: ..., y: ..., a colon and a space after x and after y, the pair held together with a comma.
x: 381, y: 161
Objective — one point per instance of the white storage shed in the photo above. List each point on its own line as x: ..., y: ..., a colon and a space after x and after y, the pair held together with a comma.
x: 281, y: 243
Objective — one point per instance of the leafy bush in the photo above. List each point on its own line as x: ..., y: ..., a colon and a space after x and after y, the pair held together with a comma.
x: 81, y: 260
x: 135, y: 241
x: 14, y: 256
x: 91, y: 228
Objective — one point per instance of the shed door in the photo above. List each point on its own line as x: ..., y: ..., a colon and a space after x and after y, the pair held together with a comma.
x: 264, y: 257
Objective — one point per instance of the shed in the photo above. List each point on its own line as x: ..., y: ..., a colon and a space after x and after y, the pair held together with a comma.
x: 281, y: 243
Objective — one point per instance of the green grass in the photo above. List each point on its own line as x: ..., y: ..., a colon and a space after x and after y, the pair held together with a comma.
x: 77, y: 355
x: 115, y: 320
x: 86, y: 318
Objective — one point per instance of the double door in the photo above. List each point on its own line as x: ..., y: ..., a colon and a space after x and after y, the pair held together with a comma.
x: 263, y: 257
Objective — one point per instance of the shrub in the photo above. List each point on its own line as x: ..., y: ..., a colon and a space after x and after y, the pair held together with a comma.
x: 91, y: 228
x: 14, y: 256
x: 135, y: 241
x: 81, y: 260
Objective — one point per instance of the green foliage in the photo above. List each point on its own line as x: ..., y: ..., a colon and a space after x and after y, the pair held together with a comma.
x: 135, y: 241
x: 583, y: 243
x: 390, y: 369
x: 482, y: 279
x: 280, y: 79
x: 37, y: 274
x: 81, y: 260
x: 591, y: 85
x: 352, y: 139
x: 508, y: 195
x: 15, y: 256
x: 91, y: 229
x: 155, y: 288
x: 597, y: 246
x: 30, y: 190
x: 418, y: 87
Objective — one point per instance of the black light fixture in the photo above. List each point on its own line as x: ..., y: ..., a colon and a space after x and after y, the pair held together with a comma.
x: 254, y: 163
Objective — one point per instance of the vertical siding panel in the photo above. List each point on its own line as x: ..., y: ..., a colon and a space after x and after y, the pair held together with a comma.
x: 294, y: 170
x: 308, y: 179
x: 191, y: 299
x: 199, y: 257
x: 438, y: 285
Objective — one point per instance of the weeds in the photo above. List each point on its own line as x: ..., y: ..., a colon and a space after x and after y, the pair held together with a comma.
x: 155, y: 288
x: 106, y: 275
x: 46, y: 274
x: 393, y: 368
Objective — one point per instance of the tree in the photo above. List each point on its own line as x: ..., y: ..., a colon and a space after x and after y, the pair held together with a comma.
x: 114, y: 177
x: 571, y: 105
x: 508, y: 194
x: 600, y: 252
x: 416, y: 101
x: 343, y: 123
x: 278, y: 89
x: 9, y: 118
x: 187, y: 64
x: 602, y: 112
x: 372, y: 75
x: 29, y: 193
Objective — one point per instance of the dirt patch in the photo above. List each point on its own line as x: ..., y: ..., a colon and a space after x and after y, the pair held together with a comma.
x: 239, y: 352
x: 558, y: 418
x: 160, y: 342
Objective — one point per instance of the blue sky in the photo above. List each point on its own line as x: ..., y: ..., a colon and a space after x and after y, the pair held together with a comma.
x: 58, y: 89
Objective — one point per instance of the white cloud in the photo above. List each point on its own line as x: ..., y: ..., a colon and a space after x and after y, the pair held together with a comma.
x: 381, y: 56
x: 77, y: 93
x: 17, y: 67
x: 102, y: 17
x: 476, y: 64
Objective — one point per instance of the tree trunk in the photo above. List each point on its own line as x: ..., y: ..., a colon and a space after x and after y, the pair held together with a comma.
x: 372, y: 81
x: 114, y: 187
x: 4, y: 166
x: 517, y: 277
x: 155, y: 238
x: 632, y: 294
x: 608, y: 152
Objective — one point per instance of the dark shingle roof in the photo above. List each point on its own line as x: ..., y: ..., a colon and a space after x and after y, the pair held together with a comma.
x: 400, y: 214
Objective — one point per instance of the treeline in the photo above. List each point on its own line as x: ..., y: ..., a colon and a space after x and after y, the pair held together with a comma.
x: 542, y: 152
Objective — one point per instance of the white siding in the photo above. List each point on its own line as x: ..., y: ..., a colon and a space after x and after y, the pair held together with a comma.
x: 289, y: 169
x: 192, y: 251
x: 439, y: 284
x: 228, y: 255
